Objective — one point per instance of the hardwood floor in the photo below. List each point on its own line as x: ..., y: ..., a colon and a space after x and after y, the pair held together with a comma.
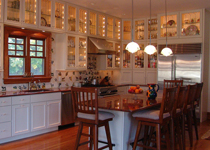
x: 64, y: 140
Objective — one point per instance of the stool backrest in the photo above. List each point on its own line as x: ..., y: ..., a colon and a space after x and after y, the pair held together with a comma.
x: 198, y: 93
x: 190, y: 97
x: 172, y: 83
x: 85, y: 100
x: 168, y: 100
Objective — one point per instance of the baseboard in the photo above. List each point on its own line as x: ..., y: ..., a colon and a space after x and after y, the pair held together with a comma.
x: 208, y: 115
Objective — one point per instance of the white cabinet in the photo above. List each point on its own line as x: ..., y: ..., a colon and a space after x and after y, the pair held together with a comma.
x: 5, y: 130
x: 21, y: 12
x: 5, y: 114
x: 38, y: 116
x: 54, y: 113
x: 20, y: 119
x: 1, y: 45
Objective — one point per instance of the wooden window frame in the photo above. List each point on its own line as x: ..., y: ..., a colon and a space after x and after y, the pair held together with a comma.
x: 29, y: 34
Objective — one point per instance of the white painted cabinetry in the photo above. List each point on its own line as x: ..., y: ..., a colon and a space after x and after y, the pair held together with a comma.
x: 54, y: 113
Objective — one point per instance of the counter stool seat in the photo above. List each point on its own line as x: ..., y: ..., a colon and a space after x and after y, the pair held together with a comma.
x: 101, y: 115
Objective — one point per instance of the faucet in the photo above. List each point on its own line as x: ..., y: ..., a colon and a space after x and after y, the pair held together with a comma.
x: 32, y: 85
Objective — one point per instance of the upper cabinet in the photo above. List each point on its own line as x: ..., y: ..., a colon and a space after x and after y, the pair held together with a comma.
x: 127, y: 30
x: 1, y: 45
x: 92, y: 23
x: 191, y: 23
x: 59, y: 15
x: 153, y: 28
x: 1, y: 10
x: 126, y: 58
x: 152, y: 59
x: 139, y: 58
x: 171, y: 25
x: 101, y: 25
x: 45, y: 13
x: 117, y: 29
x: 110, y: 27
x: 82, y: 21
x: 71, y: 18
x: 139, y: 29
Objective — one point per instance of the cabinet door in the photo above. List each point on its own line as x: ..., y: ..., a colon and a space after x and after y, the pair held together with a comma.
x: 117, y: 29
x: 139, y: 29
x: 126, y: 58
x: 53, y: 113
x: 126, y: 76
x: 152, y: 27
x: 59, y: 16
x: 1, y: 45
x: 5, y: 114
x: 5, y: 130
x: 117, y: 55
x: 127, y: 29
x: 92, y: 23
x: 101, y: 25
x: 12, y: 11
x: 71, y: 18
x: 45, y: 11
x: 151, y: 77
x: 30, y: 12
x: 82, y: 21
x: 139, y: 58
x: 139, y: 77
x: 71, y: 52
x: 82, y: 55
x: 38, y: 116
x: 20, y: 119
x: 110, y: 27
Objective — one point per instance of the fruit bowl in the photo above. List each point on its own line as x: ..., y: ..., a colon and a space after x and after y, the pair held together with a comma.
x: 135, y: 90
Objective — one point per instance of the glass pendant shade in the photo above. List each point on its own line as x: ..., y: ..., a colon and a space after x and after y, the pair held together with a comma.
x: 166, y: 51
x: 132, y: 47
x: 150, y: 49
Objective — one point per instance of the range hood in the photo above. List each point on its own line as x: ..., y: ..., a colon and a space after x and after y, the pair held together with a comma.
x: 99, y: 47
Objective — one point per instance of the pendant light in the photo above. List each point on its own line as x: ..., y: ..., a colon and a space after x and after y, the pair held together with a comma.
x: 166, y: 51
x: 132, y: 47
x: 150, y: 49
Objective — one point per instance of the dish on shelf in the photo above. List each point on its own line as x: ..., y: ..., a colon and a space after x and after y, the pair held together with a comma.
x: 171, y: 23
x: 43, y: 21
x: 192, y: 30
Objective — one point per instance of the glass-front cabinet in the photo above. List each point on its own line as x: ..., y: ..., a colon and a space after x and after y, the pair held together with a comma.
x: 1, y: 10
x: 117, y: 55
x: 82, y: 21
x: 126, y: 29
x: 110, y: 57
x: 46, y: 13
x: 139, y: 57
x: 191, y: 23
x: 82, y: 62
x: 171, y: 25
x: 126, y: 58
x: 1, y: 45
x: 59, y: 15
x: 71, y: 18
x: 110, y: 27
x: 153, y: 28
x: 139, y: 29
x: 152, y: 59
x: 71, y: 51
x: 101, y: 25
x: 92, y: 23
x: 13, y: 11
x: 117, y: 29
x: 30, y: 12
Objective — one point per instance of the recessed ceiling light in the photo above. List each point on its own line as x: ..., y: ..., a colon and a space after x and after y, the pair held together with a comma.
x: 43, y: 31
x: 23, y: 28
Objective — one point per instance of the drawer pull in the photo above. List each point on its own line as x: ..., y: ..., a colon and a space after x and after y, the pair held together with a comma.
x: 22, y: 105
x: 3, y: 101
x: 3, y: 130
x: 3, y: 114
x: 22, y: 100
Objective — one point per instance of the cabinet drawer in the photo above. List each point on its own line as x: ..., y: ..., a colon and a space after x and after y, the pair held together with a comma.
x: 5, y: 101
x: 20, y: 100
x: 5, y: 130
x: 45, y: 97
x: 5, y: 114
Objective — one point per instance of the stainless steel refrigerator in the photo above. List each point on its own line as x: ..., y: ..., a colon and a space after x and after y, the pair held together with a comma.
x: 186, y: 67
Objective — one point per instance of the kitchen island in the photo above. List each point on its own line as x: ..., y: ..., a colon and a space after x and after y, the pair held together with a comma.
x: 123, y: 127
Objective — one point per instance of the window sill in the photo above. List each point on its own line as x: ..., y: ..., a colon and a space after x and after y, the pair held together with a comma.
x: 15, y: 80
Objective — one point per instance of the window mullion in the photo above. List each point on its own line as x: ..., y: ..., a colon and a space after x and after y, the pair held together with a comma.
x: 27, y: 55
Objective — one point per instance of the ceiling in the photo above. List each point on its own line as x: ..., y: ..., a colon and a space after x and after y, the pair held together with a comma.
x: 122, y: 8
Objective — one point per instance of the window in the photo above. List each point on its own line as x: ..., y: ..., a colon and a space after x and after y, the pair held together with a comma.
x: 26, y: 56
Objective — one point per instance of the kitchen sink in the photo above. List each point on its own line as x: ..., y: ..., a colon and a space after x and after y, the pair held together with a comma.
x: 38, y: 90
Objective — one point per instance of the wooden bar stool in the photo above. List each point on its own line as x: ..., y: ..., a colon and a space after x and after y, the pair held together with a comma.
x: 85, y: 104
x: 196, y: 104
x: 172, y: 83
x: 156, y: 118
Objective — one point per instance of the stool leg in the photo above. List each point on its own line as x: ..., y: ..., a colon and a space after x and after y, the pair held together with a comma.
x: 150, y: 135
x: 172, y: 134
x: 137, y: 135
x: 183, y: 130
x: 195, y: 123
x: 78, y: 135
x: 108, y: 135
x: 145, y: 135
x: 189, y: 124
x: 95, y: 137
x: 158, y: 137
x: 91, y: 138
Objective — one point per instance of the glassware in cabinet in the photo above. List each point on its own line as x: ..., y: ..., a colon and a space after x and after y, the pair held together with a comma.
x: 82, y: 52
x: 59, y: 15
x: 139, y: 30
x: 71, y: 51
x: 153, y: 30
x: 82, y: 21
x: 117, y: 29
x: 152, y: 59
x: 101, y: 25
x: 110, y: 27
x: 110, y: 57
x: 117, y: 55
x: 30, y: 12
x: 71, y: 18
x: 126, y: 58
x: 46, y: 8
x: 92, y: 23
x: 190, y: 24
x: 139, y: 57
x: 171, y: 26
x: 13, y: 10
x: 126, y: 30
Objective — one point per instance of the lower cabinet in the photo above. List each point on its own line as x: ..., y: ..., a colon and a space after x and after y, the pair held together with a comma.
x: 54, y: 113
x: 38, y: 116
x: 20, y: 119
x: 5, y: 130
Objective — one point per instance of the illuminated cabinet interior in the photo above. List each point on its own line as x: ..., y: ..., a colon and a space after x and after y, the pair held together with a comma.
x: 82, y: 52
x: 92, y: 23
x: 117, y: 29
x: 71, y: 51
x: 152, y: 59
x: 126, y: 58
x: 101, y: 25
x: 139, y: 57
x: 139, y: 30
x: 59, y: 15
x: 71, y: 18
x: 13, y: 10
x: 154, y: 27
x: 46, y: 8
x: 171, y: 26
x: 30, y: 11
x: 110, y: 57
x: 117, y: 55
x: 110, y: 27
x: 126, y: 30
x: 82, y: 21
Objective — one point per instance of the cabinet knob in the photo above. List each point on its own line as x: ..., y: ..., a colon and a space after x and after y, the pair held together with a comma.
x: 3, y: 101
x: 22, y: 100
x: 3, y: 114
x: 3, y: 130
x: 22, y: 105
